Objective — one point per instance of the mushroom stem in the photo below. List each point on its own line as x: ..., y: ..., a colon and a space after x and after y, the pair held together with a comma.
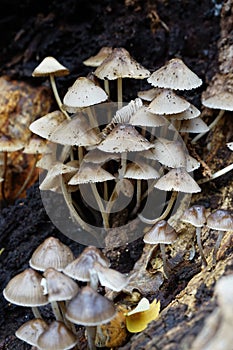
x: 56, y: 95
x: 119, y: 92
x: 80, y: 154
x: 198, y: 235
x: 69, y: 324
x: 4, y: 177
x: 56, y: 311
x: 36, y: 312
x: 123, y: 165
x: 100, y: 204
x: 164, y: 258
x: 216, y: 120
x: 91, y: 334
x: 217, y: 246
x: 217, y: 174
x: 165, y: 213
x: 106, y: 87
x: 28, y: 178
x: 138, y: 197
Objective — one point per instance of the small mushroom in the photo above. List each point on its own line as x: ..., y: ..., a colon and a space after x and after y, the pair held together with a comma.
x: 196, y: 216
x: 31, y: 330
x: 95, y: 61
x: 222, y: 221
x: 110, y: 278
x: 167, y: 102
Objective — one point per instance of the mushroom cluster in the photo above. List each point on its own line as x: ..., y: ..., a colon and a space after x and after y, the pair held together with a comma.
x: 51, y: 278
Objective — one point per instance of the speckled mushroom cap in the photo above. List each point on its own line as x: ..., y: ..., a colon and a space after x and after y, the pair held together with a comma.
x: 190, y: 113
x: 90, y: 173
x: 175, y: 75
x: 37, y: 145
x: 141, y: 171
x: 143, y: 117
x: 48, y: 66
x: 195, y: 125
x: 57, y: 337
x: 79, y: 269
x: 25, y: 289
x: 168, y: 102
x: 51, y: 253
x: 31, y: 330
x: 178, y: 180
x: 45, y: 125
x: 161, y: 232
x: 95, y: 61
x: 58, y: 286
x: 119, y: 64
x: 8, y: 144
x: 149, y: 95
x: 83, y: 93
x: 124, y: 138
x: 89, y: 308
x: 169, y: 152
x: 221, y: 220
x: 195, y: 215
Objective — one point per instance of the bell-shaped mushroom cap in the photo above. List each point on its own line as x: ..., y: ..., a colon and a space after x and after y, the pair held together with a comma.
x: 170, y: 153
x: 51, y: 253
x: 119, y: 64
x: 195, y: 215
x: 90, y: 173
x: 192, y: 164
x: 58, y: 286
x: 25, y: 289
x: 190, y: 113
x: 97, y: 156
x: 167, y: 102
x: 161, y: 232
x: 37, y: 145
x: 31, y: 330
x: 45, y: 125
x: 89, y: 308
x: 143, y: 117
x: 75, y: 132
x: 149, y: 95
x: 48, y: 66
x: 221, y: 220
x: 195, y: 125
x: 46, y: 161
x: 222, y: 100
x: 230, y: 145
x: 141, y: 171
x: 8, y: 144
x: 79, y: 269
x: 124, y: 138
x: 95, y: 61
x: 175, y: 75
x: 83, y: 93
x: 110, y: 278
x: 57, y: 337
x: 178, y: 180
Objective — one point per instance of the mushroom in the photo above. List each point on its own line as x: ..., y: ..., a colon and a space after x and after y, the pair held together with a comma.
x: 161, y: 233
x: 222, y: 221
x: 110, y: 278
x: 51, y: 253
x: 31, y: 330
x: 56, y: 337
x: 167, y: 102
x: 90, y: 309
x: 196, y: 216
x: 52, y: 68
x: 25, y: 290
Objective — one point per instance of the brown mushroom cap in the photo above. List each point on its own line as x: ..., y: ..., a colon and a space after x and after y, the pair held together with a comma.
x: 195, y: 215
x: 48, y: 66
x: 95, y: 61
x: 25, y: 289
x: 59, y: 286
x: 31, y: 330
x: 161, y: 232
x: 119, y: 64
x: 89, y: 308
x: 51, y: 253
x: 57, y: 337
x: 167, y: 102
x: 175, y: 75
x: 221, y: 220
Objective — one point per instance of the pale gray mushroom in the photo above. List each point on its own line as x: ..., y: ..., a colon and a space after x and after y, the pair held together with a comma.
x: 31, y: 330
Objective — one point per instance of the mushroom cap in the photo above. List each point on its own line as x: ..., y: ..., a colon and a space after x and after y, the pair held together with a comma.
x: 51, y: 253
x: 195, y: 125
x: 110, y: 278
x: 37, y: 145
x: 195, y: 215
x: 190, y: 113
x: 167, y: 102
x: 230, y: 145
x: 149, y: 95
x: 192, y: 164
x: 31, y: 330
x: 95, y: 61
x: 90, y: 173
x: 79, y: 269
x: 143, y: 117
x: 221, y: 220
x: 45, y: 125
x: 119, y: 64
x: 124, y: 138
x: 83, y: 93
x: 59, y: 286
x: 75, y: 132
x: 178, y: 180
x: 161, y: 232
x: 170, y: 153
x: 57, y: 337
x: 141, y: 171
x: 25, y: 289
x: 175, y: 75
x: 89, y: 308
x: 97, y: 156
x: 48, y: 66
x: 7, y: 144
x: 222, y: 100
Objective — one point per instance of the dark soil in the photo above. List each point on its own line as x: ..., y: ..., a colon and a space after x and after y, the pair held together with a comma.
x: 71, y: 31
